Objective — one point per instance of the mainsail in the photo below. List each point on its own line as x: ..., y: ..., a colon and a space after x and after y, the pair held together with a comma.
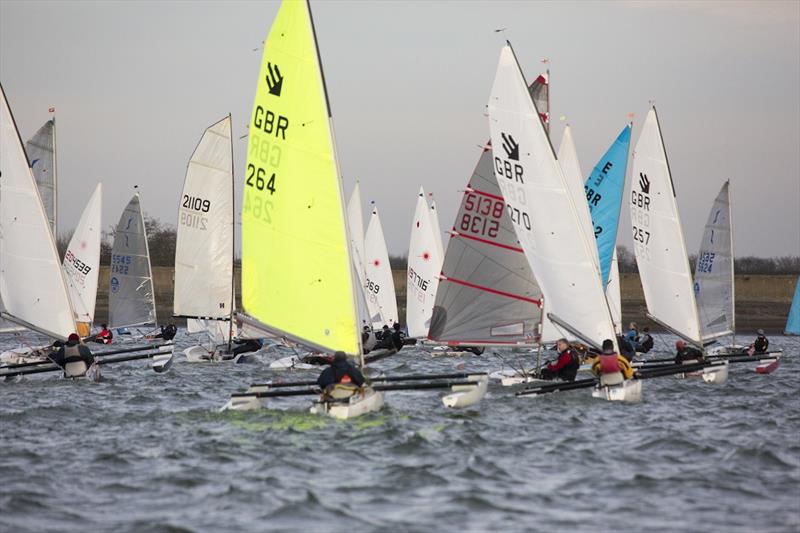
x: 131, y: 299
x: 603, y: 190
x: 487, y: 292
x: 32, y: 287
x: 379, y: 287
x: 543, y: 211
x: 613, y: 293
x: 571, y: 167
x: 204, y: 247
x: 437, y: 230
x: 297, y: 271
x: 713, y: 275
x: 793, y: 320
x: 368, y: 310
x: 424, y: 265
x: 82, y: 262
x: 658, y: 237
x: 41, y: 150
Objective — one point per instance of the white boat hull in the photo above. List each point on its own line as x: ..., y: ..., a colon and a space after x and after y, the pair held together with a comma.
x: 291, y: 362
x: 629, y: 391
x: 356, y: 405
x: 467, y: 395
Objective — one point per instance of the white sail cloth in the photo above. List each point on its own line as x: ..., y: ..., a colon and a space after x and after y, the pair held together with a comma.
x: 424, y: 265
x: 32, y: 287
x: 82, y: 259
x: 379, y: 286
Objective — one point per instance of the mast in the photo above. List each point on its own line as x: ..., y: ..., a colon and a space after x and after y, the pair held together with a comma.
x: 55, y: 180
x: 348, y: 240
x: 733, y: 270
x: 233, y: 243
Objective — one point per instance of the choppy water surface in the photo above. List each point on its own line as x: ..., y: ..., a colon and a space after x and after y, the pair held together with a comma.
x: 141, y: 451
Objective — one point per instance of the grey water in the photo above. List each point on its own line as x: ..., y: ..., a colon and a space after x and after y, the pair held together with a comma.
x: 140, y: 451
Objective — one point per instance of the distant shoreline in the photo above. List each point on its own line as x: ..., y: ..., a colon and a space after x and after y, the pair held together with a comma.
x: 762, y: 300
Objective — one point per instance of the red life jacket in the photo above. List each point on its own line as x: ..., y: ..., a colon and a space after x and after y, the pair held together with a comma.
x: 345, y: 379
x: 609, y: 364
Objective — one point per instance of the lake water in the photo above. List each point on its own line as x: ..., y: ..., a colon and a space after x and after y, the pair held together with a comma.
x: 141, y: 451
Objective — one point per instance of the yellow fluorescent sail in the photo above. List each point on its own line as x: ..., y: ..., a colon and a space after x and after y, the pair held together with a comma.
x: 296, y: 268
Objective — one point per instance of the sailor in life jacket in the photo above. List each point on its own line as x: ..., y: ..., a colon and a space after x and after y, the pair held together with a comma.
x: 340, y: 371
x: 686, y: 354
x: 566, y: 366
x: 610, y: 365
x: 761, y: 344
x: 75, y: 358
x: 105, y: 336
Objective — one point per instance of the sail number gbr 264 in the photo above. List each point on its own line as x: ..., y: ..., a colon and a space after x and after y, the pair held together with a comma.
x: 267, y: 131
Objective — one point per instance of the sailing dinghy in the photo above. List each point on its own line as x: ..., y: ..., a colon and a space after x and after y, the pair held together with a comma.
x: 547, y: 219
x: 659, y: 245
x: 294, y: 210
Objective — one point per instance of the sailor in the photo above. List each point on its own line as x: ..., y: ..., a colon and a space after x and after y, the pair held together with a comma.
x: 686, y: 353
x: 645, y: 341
x: 168, y: 332
x: 566, y: 366
x: 610, y: 362
x: 633, y: 333
x: 104, y: 336
x: 761, y: 344
x: 75, y: 358
x: 340, y: 371
x: 398, y: 336
x: 384, y: 338
x: 247, y: 346
x: 626, y: 348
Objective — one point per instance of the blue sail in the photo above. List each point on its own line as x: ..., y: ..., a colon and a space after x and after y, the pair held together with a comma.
x: 793, y: 322
x: 604, y: 194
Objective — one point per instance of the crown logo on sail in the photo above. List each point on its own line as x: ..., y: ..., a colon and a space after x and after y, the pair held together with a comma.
x: 274, y: 79
x: 510, y: 146
x: 644, y: 183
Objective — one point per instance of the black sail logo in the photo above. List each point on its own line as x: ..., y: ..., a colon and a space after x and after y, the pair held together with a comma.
x: 510, y: 146
x: 274, y: 79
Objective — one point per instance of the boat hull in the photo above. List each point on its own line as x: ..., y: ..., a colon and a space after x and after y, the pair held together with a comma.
x: 358, y: 404
x: 629, y: 391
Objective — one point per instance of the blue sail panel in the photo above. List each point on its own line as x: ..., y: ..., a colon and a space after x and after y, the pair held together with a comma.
x: 604, y: 193
x: 793, y: 322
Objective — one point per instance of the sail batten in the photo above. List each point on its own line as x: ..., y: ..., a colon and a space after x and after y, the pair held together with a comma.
x: 297, y: 270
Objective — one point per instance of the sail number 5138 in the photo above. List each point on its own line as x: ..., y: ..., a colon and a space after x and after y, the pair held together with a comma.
x: 256, y: 178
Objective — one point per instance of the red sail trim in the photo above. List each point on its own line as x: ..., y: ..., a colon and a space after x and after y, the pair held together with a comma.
x: 493, y: 291
x: 488, y: 195
x: 486, y: 241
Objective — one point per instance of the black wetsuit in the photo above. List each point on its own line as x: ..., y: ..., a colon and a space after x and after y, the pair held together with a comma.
x: 167, y: 332
x: 247, y: 345
x: 565, y: 368
x: 688, y: 353
x: 336, y: 373
x: 646, y: 343
x: 626, y: 350
x: 761, y: 344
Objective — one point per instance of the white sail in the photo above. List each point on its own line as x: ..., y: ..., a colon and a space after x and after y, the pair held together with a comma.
x: 82, y: 260
x: 543, y: 210
x: 41, y: 150
x: 131, y: 299
x: 658, y: 237
x: 204, y: 247
x: 613, y: 293
x: 32, y: 287
x: 568, y: 158
x: 713, y: 275
x: 424, y: 266
x: 379, y: 282
x: 368, y: 309
x: 437, y: 230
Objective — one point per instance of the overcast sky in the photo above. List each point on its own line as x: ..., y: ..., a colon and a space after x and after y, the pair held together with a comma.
x: 135, y: 84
